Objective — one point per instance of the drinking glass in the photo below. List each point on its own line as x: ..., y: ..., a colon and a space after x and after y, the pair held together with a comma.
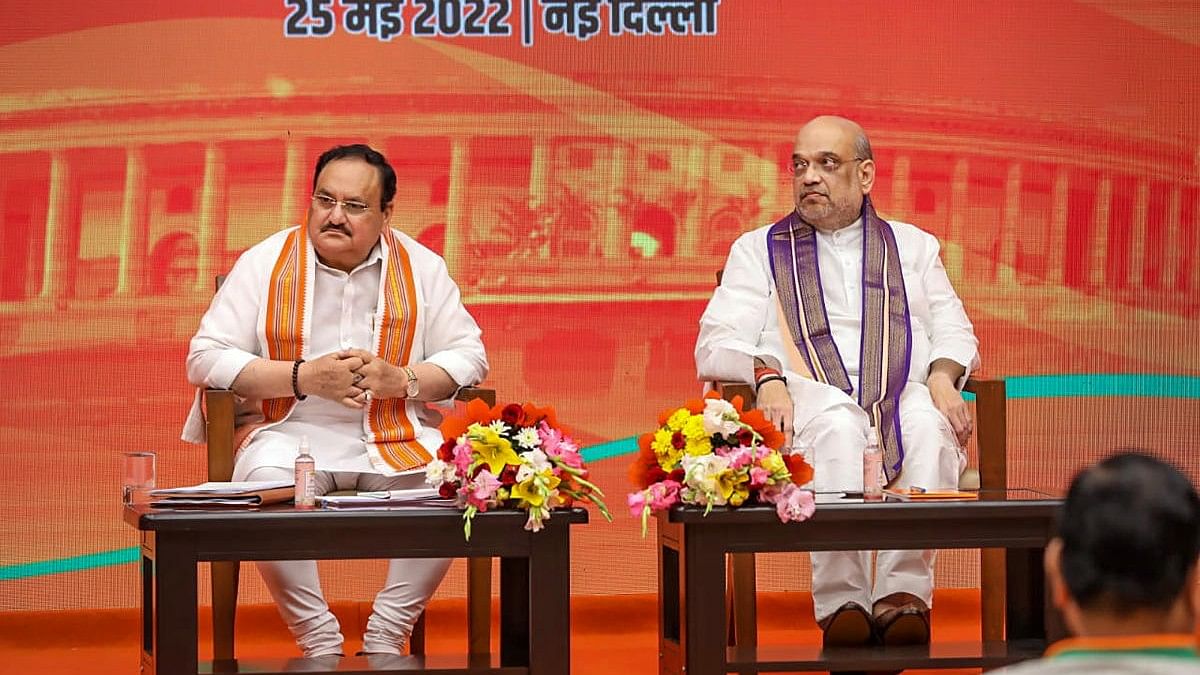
x: 137, y: 471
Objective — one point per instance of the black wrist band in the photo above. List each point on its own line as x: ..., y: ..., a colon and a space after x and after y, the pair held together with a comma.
x: 758, y: 385
x: 296, y: 380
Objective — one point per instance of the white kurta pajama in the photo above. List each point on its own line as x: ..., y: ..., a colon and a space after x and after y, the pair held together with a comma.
x: 342, y: 316
x: 741, y: 323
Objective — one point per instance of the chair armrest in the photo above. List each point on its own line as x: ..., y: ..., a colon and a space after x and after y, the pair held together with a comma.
x: 468, y: 394
x: 991, y: 424
x: 219, y: 411
x: 728, y: 390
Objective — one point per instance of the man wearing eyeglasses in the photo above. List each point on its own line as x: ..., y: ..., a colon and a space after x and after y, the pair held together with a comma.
x: 849, y: 329
x: 339, y: 331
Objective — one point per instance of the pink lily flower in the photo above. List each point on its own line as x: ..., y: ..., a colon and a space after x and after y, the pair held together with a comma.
x: 664, y: 494
x: 792, y: 503
x: 482, y: 489
x: 463, y: 456
x: 637, y: 503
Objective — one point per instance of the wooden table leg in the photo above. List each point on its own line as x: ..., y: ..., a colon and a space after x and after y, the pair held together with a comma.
x: 1028, y: 605
x: 742, y: 601
x: 148, y: 607
x: 175, y: 610
x: 514, y: 611
x: 670, y: 607
x: 703, y: 632
x: 550, y: 601
x: 479, y: 607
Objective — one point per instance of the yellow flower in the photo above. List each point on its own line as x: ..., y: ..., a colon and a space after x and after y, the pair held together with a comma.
x: 531, y: 493
x: 492, y: 450
x: 678, y: 418
x: 701, y: 446
x: 731, y: 485
x: 739, y: 496
x: 693, y: 428
x: 698, y: 442
x: 727, y: 485
x: 773, y: 463
x: 662, y: 441
x: 664, y: 450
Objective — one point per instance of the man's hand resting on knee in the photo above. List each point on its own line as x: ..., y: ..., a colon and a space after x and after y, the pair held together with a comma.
x: 943, y: 373
x: 776, y: 404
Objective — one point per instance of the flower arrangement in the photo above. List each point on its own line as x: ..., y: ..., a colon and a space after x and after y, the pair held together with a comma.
x: 710, y: 453
x: 510, y: 456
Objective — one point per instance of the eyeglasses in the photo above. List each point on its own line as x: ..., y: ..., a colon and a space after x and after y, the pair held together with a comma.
x: 827, y: 165
x: 326, y: 203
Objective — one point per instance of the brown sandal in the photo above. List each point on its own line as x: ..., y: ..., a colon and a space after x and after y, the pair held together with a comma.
x: 906, y: 622
x: 849, y: 626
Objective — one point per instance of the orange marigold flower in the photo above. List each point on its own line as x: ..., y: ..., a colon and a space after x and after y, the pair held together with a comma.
x: 534, y: 414
x: 645, y: 470
x: 453, y: 427
x: 772, y: 436
x: 801, y: 471
x: 478, y: 411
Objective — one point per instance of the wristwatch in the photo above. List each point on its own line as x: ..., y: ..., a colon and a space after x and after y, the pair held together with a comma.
x: 413, y: 387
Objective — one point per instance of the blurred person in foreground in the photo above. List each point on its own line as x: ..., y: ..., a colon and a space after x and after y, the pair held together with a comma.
x: 1122, y: 571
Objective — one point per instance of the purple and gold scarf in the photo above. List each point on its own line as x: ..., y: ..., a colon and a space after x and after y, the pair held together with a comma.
x: 885, y: 348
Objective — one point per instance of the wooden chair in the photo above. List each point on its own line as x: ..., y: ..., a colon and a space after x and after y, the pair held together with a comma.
x: 219, y: 418
x: 991, y: 422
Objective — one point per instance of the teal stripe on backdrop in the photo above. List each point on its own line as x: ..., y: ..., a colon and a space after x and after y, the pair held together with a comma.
x: 621, y: 446
x: 39, y: 568
x: 1137, y: 385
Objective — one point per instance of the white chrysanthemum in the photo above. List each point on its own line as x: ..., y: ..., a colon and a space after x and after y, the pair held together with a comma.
x: 528, y: 438
x: 438, y: 472
x: 720, y: 417
x: 498, y: 427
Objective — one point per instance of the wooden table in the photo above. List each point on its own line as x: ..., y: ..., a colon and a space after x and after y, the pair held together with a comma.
x: 692, y: 566
x: 534, y: 577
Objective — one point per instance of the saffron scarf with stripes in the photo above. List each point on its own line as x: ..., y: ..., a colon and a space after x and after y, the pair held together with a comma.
x: 885, y: 348
x: 388, y: 423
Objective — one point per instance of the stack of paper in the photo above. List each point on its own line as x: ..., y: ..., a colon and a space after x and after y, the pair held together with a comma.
x: 243, y: 493
x: 411, y: 497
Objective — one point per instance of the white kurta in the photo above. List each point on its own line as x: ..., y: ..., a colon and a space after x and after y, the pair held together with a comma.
x: 741, y: 323
x: 342, y: 317
x: 343, y: 311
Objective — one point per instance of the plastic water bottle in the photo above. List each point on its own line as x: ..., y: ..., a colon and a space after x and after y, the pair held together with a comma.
x: 306, y: 477
x: 873, y: 469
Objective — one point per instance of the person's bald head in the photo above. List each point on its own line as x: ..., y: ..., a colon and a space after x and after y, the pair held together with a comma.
x: 844, y: 127
x: 834, y: 169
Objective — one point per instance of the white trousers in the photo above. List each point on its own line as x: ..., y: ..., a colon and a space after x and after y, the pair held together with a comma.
x: 835, y: 440
x: 296, y: 587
